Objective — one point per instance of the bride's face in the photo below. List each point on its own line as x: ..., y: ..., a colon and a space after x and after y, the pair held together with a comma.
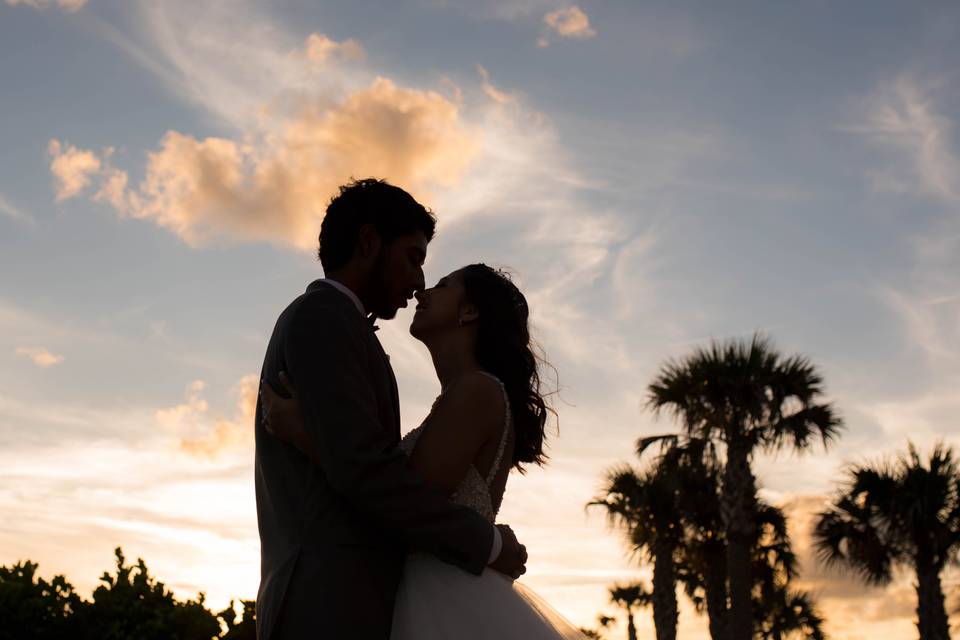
x: 440, y: 308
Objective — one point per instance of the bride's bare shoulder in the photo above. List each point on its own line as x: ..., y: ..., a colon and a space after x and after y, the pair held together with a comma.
x: 476, y: 397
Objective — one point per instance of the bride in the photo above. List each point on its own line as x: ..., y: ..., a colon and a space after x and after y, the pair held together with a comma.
x: 488, y: 419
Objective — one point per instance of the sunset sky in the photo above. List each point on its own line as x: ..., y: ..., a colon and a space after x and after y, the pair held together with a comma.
x: 656, y: 174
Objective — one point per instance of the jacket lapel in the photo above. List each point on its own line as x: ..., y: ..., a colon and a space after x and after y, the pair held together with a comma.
x: 394, y: 390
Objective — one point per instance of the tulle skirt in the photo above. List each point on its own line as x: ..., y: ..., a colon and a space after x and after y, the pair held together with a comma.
x: 438, y: 601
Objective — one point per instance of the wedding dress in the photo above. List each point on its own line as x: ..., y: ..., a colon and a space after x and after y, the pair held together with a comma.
x: 438, y: 601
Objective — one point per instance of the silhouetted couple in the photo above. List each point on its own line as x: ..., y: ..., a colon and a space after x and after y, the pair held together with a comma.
x: 364, y: 535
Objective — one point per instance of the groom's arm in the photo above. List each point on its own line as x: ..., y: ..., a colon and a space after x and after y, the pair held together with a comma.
x: 327, y: 362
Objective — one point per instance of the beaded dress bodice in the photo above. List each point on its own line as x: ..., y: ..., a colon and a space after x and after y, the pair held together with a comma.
x: 474, y: 490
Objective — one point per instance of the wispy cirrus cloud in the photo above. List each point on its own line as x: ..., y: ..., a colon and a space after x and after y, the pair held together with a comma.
x: 12, y: 211
x: 904, y: 117
x: 66, y: 5
x: 40, y: 356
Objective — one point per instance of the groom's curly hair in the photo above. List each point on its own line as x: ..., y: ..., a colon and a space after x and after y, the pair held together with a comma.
x: 390, y: 209
x: 505, y: 349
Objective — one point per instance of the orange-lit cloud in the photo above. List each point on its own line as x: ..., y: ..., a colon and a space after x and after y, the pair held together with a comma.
x: 320, y: 48
x: 201, y: 434
x: 40, y: 356
x: 66, y: 5
x: 72, y: 168
x: 571, y: 22
x: 276, y: 186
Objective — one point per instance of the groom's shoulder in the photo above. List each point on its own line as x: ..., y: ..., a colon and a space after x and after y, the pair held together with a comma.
x: 325, y: 304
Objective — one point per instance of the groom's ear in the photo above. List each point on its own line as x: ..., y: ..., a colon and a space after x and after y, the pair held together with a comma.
x: 369, y: 242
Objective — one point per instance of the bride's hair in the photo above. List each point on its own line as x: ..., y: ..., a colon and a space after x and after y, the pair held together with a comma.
x: 504, y: 348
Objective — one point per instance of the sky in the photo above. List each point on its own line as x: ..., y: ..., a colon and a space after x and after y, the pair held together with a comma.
x: 656, y: 175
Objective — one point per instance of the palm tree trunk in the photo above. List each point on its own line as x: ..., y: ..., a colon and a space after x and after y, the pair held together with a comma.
x: 715, y: 590
x: 931, y: 614
x: 738, y: 504
x: 664, y: 592
x: 631, y: 627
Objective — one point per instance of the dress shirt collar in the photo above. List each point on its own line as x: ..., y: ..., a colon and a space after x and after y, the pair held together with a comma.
x: 345, y: 290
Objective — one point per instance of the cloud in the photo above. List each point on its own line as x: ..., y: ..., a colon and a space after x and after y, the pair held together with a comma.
x: 7, y: 208
x: 40, y: 356
x: 930, y: 321
x: 113, y: 189
x: 66, y: 5
x: 492, y: 92
x: 903, y: 116
x: 275, y: 186
x: 571, y: 22
x: 320, y: 48
x: 201, y: 435
x: 72, y: 168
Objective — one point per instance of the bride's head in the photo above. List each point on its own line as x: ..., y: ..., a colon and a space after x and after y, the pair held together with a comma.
x: 481, y: 309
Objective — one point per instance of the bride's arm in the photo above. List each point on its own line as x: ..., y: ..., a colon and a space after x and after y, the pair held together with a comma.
x: 283, y: 419
x: 468, y: 415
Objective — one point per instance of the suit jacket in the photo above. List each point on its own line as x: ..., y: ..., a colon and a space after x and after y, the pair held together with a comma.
x: 333, y: 537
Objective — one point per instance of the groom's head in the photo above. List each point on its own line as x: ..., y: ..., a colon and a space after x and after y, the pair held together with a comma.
x: 374, y: 236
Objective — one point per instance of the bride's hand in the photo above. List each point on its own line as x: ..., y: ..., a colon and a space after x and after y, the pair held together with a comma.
x: 281, y: 416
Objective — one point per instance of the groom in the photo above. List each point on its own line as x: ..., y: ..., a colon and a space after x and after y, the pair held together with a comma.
x: 335, y: 526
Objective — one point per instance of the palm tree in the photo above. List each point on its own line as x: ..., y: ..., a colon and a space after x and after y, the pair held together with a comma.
x: 789, y: 614
x: 746, y: 396
x: 603, y: 621
x: 630, y: 596
x: 779, y: 611
x: 900, y: 513
x: 644, y: 503
x: 702, y: 562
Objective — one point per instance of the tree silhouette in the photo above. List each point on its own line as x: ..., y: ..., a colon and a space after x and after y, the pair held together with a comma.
x: 32, y: 608
x: 603, y: 621
x: 789, y: 614
x: 246, y: 628
x: 644, y: 504
x: 904, y: 513
x: 629, y: 596
x: 128, y: 605
x: 702, y: 562
x: 132, y: 604
x: 746, y: 396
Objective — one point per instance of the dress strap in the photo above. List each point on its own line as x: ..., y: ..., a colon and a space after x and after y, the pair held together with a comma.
x: 495, y: 467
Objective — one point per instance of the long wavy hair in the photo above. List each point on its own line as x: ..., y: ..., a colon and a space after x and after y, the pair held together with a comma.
x: 505, y: 349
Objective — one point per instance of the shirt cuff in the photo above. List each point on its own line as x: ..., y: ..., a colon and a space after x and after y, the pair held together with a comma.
x: 497, y: 546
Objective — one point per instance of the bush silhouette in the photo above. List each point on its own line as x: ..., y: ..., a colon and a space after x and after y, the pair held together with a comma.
x: 130, y: 604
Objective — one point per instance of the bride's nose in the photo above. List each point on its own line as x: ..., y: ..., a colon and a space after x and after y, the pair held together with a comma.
x: 419, y: 295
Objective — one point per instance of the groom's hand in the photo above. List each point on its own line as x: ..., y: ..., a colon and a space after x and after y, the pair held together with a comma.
x: 512, y: 561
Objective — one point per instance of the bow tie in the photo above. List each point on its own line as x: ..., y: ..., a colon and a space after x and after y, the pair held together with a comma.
x: 371, y: 319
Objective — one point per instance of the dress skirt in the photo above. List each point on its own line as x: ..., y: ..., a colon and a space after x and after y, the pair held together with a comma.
x: 438, y: 601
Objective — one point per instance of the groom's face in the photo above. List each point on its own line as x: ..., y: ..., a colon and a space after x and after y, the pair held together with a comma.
x: 398, y: 274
